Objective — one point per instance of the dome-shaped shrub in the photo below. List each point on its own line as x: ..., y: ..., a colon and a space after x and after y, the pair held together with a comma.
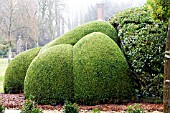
x: 100, y: 70
x: 50, y: 76
x: 16, y: 71
x: 74, y: 35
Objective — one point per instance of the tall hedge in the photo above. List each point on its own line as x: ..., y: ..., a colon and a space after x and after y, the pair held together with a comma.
x: 16, y: 71
x: 74, y: 35
x: 143, y: 42
x: 100, y: 71
x: 50, y: 76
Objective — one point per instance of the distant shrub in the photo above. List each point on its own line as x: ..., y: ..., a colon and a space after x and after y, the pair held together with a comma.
x: 50, y: 76
x: 100, y: 71
x: 74, y: 35
x: 16, y: 71
x: 143, y: 43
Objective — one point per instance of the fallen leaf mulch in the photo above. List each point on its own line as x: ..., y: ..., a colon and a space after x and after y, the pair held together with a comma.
x: 16, y: 101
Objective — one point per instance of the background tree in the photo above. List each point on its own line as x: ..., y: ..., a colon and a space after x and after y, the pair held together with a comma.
x: 18, y: 19
x: 35, y: 22
x: 8, y: 21
x: 50, y: 14
x: 28, y: 23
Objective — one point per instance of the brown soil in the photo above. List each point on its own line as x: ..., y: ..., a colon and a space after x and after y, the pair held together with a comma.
x: 16, y: 101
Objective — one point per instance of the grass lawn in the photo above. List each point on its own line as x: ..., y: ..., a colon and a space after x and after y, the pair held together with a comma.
x: 3, y: 66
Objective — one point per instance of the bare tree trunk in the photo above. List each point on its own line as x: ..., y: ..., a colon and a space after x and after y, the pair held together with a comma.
x: 9, y: 30
x: 62, y: 30
x: 166, y: 89
x: 58, y: 27
x: 50, y: 20
x: 57, y: 18
x: 9, y: 52
x: 69, y: 23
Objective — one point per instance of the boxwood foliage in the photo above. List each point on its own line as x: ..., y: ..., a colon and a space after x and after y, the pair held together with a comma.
x: 74, y: 35
x: 50, y: 76
x: 16, y: 71
x: 143, y: 42
x: 100, y: 71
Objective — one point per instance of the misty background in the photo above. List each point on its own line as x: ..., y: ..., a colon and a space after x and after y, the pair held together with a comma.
x: 25, y: 24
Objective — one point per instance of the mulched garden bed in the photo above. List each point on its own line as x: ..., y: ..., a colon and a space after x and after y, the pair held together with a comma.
x: 16, y: 101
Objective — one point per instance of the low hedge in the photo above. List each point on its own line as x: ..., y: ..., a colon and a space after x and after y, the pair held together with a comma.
x: 74, y: 35
x: 100, y: 71
x: 50, y: 76
x: 16, y: 71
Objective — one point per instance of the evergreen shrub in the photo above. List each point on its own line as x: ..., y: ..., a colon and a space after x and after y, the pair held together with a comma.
x: 16, y: 71
x: 50, y: 76
x: 143, y: 43
x: 83, y: 66
x: 100, y: 71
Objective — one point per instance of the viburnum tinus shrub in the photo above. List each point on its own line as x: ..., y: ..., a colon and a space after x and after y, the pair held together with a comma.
x: 16, y: 71
x: 101, y: 73
x: 143, y: 43
x: 50, y: 76
x: 74, y: 35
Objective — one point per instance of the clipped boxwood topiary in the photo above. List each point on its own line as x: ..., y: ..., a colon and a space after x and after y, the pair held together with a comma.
x: 50, y: 76
x: 100, y: 71
x: 73, y: 36
x: 16, y: 71
x: 143, y: 42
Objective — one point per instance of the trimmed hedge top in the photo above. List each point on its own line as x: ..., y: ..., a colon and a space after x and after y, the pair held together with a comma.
x: 100, y: 71
x: 16, y: 71
x: 74, y: 35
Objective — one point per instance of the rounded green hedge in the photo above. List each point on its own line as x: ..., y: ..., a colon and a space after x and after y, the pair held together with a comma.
x: 74, y: 35
x: 50, y: 76
x: 16, y: 71
x: 143, y: 42
x: 100, y: 71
